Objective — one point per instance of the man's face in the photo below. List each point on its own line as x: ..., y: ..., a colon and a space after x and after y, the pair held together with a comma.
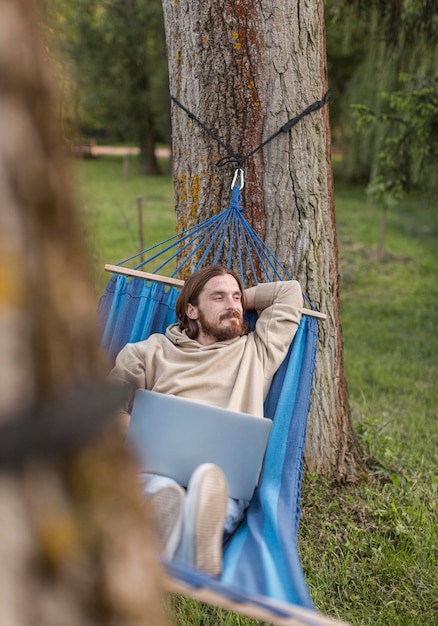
x: 219, y: 312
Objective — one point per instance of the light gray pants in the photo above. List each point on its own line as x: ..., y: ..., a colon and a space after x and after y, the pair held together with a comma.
x: 151, y: 483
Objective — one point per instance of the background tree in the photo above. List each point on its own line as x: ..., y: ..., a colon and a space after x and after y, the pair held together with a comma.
x: 372, y: 47
x: 245, y: 69
x: 117, y: 55
x: 382, y: 64
x: 409, y: 145
x: 74, y: 543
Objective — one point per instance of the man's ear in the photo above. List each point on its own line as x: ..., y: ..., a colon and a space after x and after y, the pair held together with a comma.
x: 192, y: 312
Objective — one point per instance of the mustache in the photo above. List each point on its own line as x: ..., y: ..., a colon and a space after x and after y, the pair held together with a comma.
x: 231, y: 315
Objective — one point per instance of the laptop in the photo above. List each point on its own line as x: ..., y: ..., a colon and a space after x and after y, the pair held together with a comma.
x: 172, y: 436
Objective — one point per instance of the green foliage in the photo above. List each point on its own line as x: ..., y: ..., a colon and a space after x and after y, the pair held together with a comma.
x: 409, y: 143
x: 379, y: 43
x: 116, y: 50
x: 413, y: 19
x: 369, y: 551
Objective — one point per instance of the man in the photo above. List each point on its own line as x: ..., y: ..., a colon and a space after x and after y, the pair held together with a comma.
x: 209, y: 356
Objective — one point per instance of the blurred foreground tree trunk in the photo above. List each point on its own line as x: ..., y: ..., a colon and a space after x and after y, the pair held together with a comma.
x: 245, y: 69
x: 74, y: 543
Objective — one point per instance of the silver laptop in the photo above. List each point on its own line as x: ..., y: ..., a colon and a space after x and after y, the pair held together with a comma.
x: 171, y: 436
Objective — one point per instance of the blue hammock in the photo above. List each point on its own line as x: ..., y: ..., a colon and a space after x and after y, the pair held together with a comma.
x: 261, y: 561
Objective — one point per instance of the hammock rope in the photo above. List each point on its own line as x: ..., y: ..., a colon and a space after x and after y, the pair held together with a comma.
x: 213, y: 231
x: 243, y: 241
x: 233, y: 157
x: 227, y: 227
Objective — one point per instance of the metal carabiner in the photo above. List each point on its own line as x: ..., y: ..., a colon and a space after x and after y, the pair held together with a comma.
x: 242, y: 180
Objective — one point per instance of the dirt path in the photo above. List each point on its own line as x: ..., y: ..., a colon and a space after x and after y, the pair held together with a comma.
x: 93, y: 150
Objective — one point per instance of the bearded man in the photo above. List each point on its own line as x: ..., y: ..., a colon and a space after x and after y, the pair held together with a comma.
x: 209, y: 356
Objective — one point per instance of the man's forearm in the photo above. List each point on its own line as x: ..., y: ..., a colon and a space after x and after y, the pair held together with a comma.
x: 253, y: 299
x: 249, y: 298
x: 265, y: 295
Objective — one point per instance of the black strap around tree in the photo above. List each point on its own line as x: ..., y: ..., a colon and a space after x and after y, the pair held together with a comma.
x: 239, y: 160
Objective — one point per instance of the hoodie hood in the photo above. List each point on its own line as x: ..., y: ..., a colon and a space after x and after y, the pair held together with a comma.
x: 180, y: 339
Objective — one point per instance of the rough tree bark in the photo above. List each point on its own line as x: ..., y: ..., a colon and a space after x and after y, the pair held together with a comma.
x: 244, y: 68
x: 74, y: 545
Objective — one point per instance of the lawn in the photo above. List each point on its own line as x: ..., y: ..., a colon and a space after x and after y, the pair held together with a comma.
x: 370, y: 550
x: 110, y: 191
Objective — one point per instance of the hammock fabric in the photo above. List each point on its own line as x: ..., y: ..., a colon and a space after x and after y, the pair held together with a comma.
x: 261, y: 561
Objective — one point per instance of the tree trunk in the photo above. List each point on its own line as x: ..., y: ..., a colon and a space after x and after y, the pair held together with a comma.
x: 74, y: 543
x: 244, y: 69
x: 148, y: 164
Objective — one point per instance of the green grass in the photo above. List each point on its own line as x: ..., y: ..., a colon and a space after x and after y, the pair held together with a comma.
x: 109, y: 190
x: 369, y: 551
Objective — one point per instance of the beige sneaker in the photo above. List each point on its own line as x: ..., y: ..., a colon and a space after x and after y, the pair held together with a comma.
x: 204, y: 517
x: 167, y: 512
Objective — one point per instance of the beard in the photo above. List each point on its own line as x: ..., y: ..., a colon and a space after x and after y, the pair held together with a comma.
x: 223, y: 333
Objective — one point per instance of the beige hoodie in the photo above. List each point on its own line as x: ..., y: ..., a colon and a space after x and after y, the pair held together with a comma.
x: 235, y: 374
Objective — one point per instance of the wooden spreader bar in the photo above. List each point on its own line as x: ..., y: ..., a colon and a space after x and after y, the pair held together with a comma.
x: 175, y: 282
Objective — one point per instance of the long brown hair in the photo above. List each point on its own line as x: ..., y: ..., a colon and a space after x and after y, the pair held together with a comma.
x: 189, y: 294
